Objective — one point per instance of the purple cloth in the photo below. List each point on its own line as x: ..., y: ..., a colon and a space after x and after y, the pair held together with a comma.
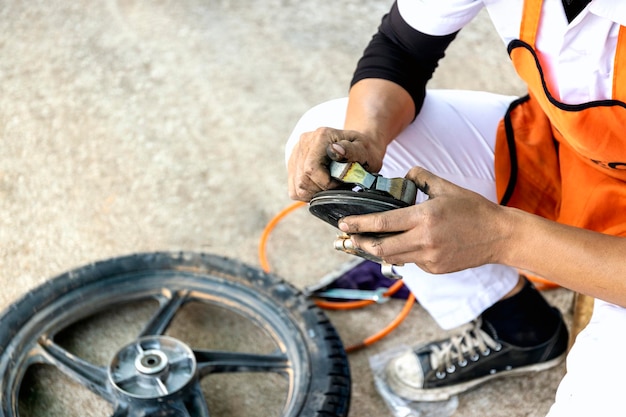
x: 367, y: 276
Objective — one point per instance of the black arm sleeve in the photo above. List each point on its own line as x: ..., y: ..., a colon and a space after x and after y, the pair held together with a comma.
x: 403, y: 55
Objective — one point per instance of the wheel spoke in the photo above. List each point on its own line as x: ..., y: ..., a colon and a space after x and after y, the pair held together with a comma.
x: 164, y: 315
x: 212, y: 362
x: 90, y: 376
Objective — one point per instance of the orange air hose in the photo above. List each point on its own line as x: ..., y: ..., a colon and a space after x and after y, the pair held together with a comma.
x: 268, y: 229
x: 338, y: 305
x: 390, y: 327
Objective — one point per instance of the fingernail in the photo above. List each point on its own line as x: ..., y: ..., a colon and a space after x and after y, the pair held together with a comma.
x: 343, y: 227
x: 338, y: 149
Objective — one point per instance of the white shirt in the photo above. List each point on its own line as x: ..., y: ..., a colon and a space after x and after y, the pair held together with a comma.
x: 577, y: 57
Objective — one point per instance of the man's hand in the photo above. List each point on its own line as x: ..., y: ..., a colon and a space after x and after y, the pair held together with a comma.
x: 308, y: 164
x: 378, y: 110
x: 453, y: 230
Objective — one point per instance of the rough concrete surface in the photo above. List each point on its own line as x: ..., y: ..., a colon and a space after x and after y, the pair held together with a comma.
x: 133, y: 125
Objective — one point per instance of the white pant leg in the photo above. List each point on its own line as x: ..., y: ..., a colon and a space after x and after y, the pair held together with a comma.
x: 594, y: 382
x: 453, y: 137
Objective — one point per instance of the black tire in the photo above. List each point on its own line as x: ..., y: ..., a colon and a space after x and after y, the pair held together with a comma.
x: 314, y: 358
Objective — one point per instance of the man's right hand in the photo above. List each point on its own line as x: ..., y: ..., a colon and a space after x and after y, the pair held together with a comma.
x: 309, y: 161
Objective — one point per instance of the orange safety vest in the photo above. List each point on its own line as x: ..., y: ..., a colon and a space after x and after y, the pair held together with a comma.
x: 561, y: 161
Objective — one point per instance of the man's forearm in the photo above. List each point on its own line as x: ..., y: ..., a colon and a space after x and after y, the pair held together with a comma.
x: 380, y: 109
x: 584, y: 261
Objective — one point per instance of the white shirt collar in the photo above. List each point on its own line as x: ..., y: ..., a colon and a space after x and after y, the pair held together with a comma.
x: 611, y: 9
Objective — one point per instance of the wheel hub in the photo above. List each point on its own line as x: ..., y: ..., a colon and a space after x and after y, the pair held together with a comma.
x: 152, y: 367
x: 151, y: 362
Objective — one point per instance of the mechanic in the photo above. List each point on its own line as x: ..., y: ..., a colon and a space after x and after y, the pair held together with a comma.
x: 532, y: 184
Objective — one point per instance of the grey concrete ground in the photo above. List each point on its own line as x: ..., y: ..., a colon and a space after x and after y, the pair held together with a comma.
x: 134, y: 125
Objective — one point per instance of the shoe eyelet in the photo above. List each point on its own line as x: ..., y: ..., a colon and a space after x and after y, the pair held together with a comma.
x: 475, y: 357
x: 498, y: 347
x: 486, y: 352
x: 463, y: 363
x: 440, y: 375
x: 450, y: 369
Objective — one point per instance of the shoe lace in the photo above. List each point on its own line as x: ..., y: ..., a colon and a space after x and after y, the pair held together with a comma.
x: 470, y: 343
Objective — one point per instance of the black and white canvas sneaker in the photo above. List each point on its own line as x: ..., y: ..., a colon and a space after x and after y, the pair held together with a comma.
x: 438, y: 370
